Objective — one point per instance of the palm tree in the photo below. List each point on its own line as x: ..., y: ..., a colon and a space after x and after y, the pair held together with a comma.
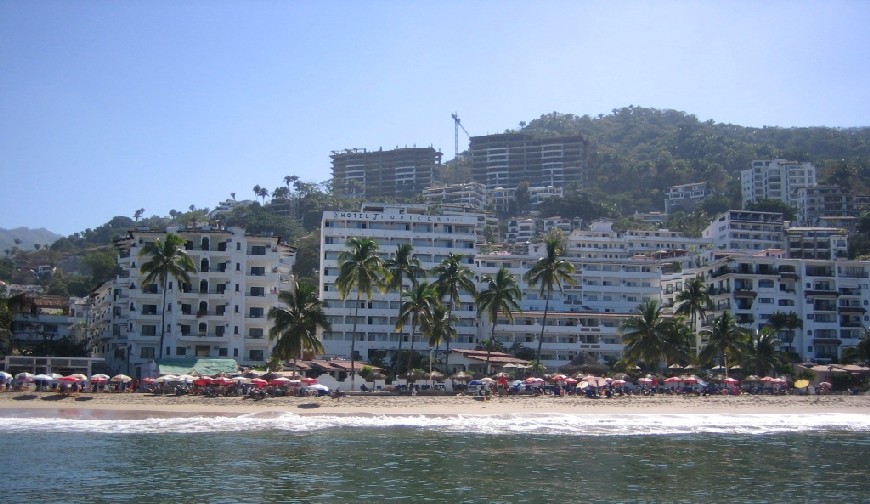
x: 399, y: 267
x: 439, y: 327
x: 296, y: 326
x: 646, y: 335
x: 499, y: 296
x: 418, y: 307
x: 781, y: 320
x: 693, y: 302
x: 762, y: 355
x: 360, y: 269
x: 453, y: 278
x: 861, y: 351
x: 550, y: 271
x: 166, y: 258
x: 727, y: 339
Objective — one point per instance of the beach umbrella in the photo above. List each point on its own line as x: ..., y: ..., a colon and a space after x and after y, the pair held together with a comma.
x: 222, y: 381
x: 486, y: 380
x: 281, y: 382
x: 5, y: 376
x: 149, y: 380
x: 319, y: 387
x: 533, y: 381
x: 121, y: 378
x: 309, y: 381
x: 825, y: 384
x: 673, y: 379
x: 241, y: 380
x: 690, y: 379
x: 731, y: 381
x: 645, y: 380
x: 186, y: 378
x: 99, y: 378
x: 42, y: 377
x: 461, y: 376
x: 475, y: 383
x: 259, y: 382
x: 70, y: 379
x: 802, y: 384
x: 618, y: 383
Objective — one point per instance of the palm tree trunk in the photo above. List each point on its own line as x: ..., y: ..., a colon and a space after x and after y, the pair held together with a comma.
x: 411, y: 352
x: 447, y: 338
x: 543, y: 325
x: 162, y: 323
x: 353, y: 342
x: 489, y: 349
x: 398, y: 356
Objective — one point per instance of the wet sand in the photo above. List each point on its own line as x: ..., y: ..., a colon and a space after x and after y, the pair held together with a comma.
x: 143, y: 404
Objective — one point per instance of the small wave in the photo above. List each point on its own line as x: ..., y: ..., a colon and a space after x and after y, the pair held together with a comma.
x: 551, y: 424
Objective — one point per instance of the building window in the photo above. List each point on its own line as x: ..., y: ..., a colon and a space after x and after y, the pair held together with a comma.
x: 255, y: 355
x: 179, y: 351
x: 149, y: 330
x: 146, y: 352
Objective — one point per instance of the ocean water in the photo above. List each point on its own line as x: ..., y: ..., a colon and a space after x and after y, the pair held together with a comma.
x: 71, y: 456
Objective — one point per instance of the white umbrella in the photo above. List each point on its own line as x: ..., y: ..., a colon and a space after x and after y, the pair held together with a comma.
x: 318, y: 386
x: 186, y: 378
x: 42, y: 377
x: 121, y: 378
x: 24, y: 377
x: 99, y: 377
x: 4, y: 375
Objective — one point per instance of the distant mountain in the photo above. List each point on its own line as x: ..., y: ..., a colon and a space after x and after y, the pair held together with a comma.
x: 25, y: 238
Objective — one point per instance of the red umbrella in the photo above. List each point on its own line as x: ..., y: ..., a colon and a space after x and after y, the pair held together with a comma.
x: 222, y: 381
x: 690, y: 379
x: 148, y: 380
x: 731, y: 381
x: 259, y: 382
x: 309, y: 381
x: 70, y: 379
x: 673, y: 379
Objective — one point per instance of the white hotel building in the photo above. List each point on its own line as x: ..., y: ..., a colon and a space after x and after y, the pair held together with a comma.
x: 221, y: 313
x: 433, y: 237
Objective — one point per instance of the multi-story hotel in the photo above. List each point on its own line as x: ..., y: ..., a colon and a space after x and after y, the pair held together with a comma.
x: 826, y: 202
x: 746, y: 230
x: 470, y: 194
x: 831, y: 297
x: 776, y: 179
x: 359, y: 173
x: 221, y: 313
x: 433, y: 237
x: 508, y: 159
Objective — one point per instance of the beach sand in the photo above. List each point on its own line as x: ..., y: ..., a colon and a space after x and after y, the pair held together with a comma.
x: 143, y: 404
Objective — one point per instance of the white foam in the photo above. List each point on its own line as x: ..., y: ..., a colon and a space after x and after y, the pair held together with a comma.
x: 566, y: 424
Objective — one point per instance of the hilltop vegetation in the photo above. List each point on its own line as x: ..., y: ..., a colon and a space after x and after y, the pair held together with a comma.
x: 636, y: 154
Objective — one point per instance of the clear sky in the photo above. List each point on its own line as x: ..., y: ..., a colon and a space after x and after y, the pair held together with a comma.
x: 107, y: 107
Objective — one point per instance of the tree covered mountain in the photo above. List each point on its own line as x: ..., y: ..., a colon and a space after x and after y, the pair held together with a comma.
x: 26, y: 239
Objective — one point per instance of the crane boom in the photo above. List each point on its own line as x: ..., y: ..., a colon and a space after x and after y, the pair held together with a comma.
x: 457, y: 124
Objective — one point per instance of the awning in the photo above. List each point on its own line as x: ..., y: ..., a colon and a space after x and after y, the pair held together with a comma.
x: 206, y: 367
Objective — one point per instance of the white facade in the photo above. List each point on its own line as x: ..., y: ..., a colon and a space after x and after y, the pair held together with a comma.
x: 221, y: 313
x: 816, y: 243
x: 602, y: 242
x: 776, y: 179
x: 472, y: 194
x: 433, y: 237
x: 830, y: 297
x: 746, y: 230
x: 685, y: 197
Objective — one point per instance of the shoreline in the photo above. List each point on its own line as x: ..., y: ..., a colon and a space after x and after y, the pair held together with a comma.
x: 142, y: 405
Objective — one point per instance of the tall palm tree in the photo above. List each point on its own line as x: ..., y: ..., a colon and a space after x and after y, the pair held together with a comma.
x: 360, y: 269
x: 295, y: 326
x: 694, y: 301
x: 762, y: 355
x: 550, y: 271
x: 166, y: 258
x: 785, y: 320
x: 499, y: 296
x: 403, y: 265
x: 861, y: 351
x: 452, y: 278
x: 418, y: 307
x: 646, y: 335
x: 727, y: 339
x: 439, y: 327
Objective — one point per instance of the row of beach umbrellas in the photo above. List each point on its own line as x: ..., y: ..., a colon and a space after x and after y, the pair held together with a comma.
x: 73, y: 378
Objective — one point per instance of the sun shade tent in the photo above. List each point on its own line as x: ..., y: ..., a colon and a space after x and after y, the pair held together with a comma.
x: 202, y: 367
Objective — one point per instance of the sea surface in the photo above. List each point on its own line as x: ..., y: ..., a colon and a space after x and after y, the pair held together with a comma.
x: 71, y: 456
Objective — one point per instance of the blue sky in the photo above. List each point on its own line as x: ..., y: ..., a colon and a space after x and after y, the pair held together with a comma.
x: 107, y: 107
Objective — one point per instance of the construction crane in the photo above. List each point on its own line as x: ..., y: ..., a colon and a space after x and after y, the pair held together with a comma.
x: 457, y: 124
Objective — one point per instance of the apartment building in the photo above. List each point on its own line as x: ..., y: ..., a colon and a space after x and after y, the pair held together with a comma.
x: 221, y: 313
x: 686, y: 197
x: 470, y: 194
x: 503, y: 199
x: 405, y: 172
x: 602, y: 242
x: 776, y: 179
x: 433, y: 237
x: 508, y: 159
x: 746, y: 230
x: 831, y: 298
x: 827, y: 202
x: 40, y: 318
x: 816, y: 243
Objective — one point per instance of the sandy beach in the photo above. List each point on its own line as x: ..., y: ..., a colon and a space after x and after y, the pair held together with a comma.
x: 143, y: 404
